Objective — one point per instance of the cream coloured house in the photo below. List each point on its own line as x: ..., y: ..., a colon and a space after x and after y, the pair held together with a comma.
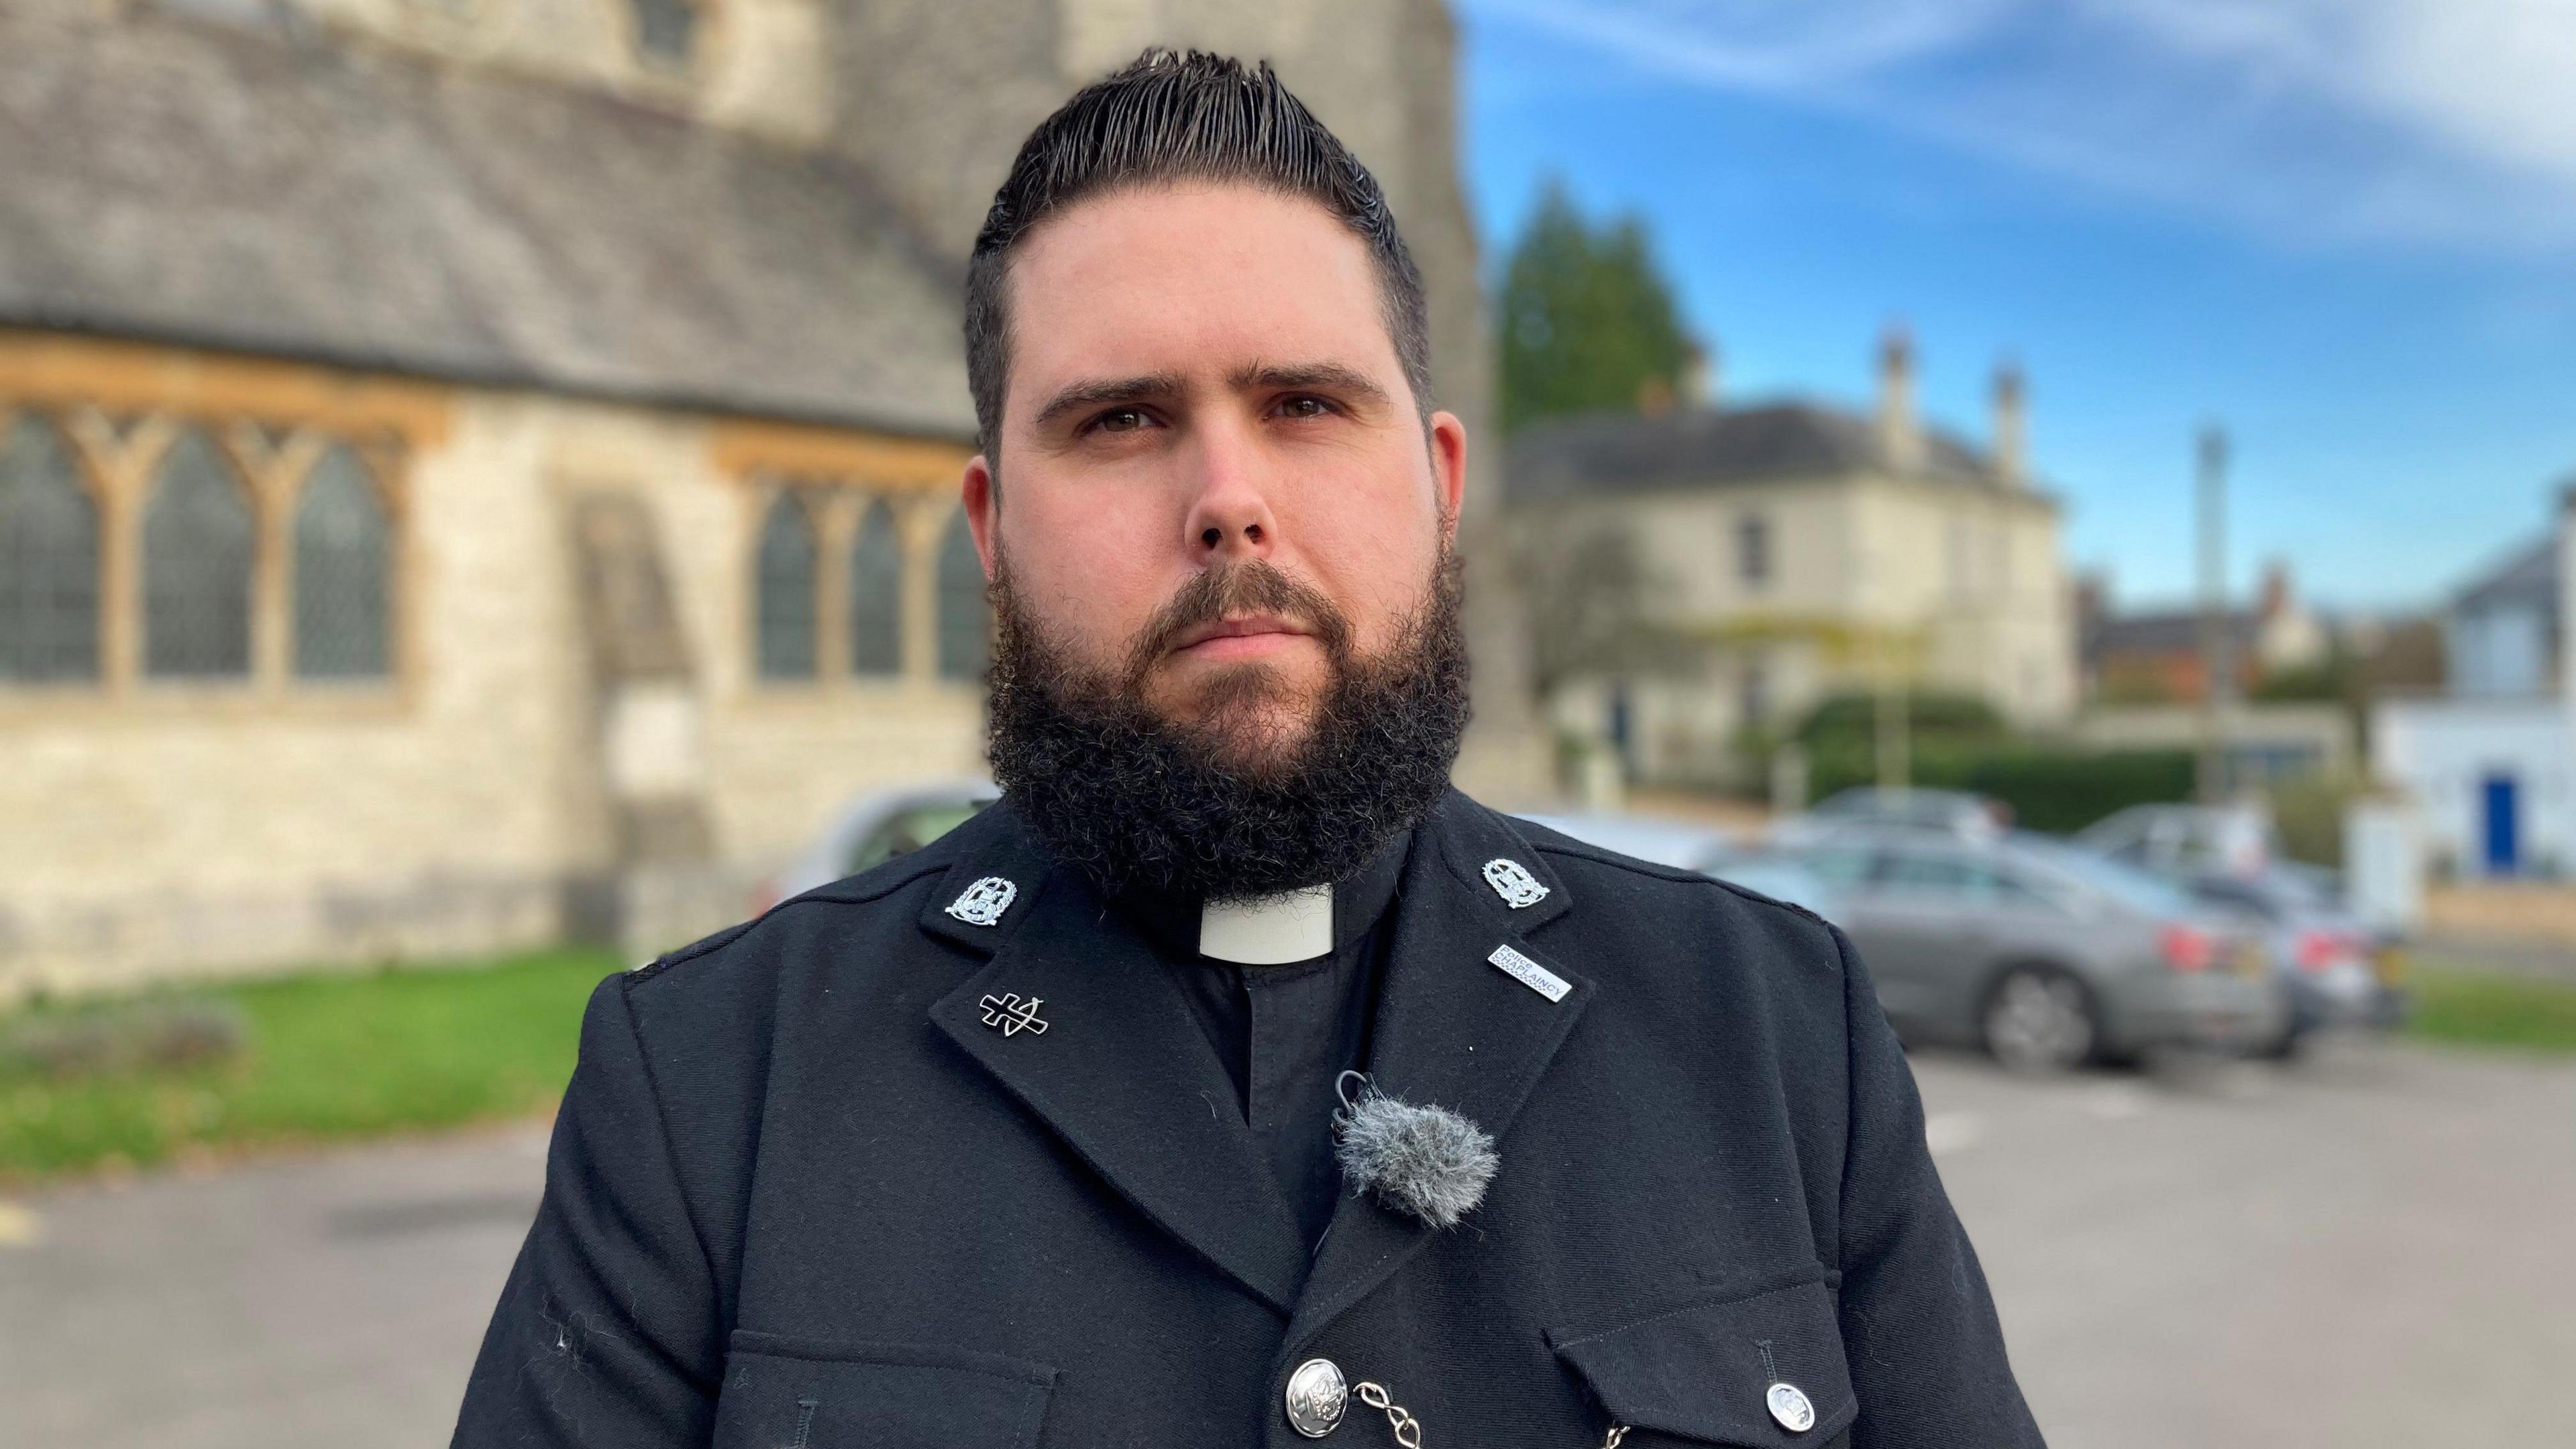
x: 477, y: 474
x: 1787, y: 551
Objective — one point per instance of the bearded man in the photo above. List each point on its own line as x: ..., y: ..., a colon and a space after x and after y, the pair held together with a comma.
x: 1234, y: 1080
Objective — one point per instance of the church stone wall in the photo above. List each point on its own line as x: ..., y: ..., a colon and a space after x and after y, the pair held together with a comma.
x: 151, y: 829
x: 753, y: 65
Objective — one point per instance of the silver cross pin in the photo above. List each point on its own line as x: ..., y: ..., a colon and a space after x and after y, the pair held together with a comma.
x: 1010, y: 1015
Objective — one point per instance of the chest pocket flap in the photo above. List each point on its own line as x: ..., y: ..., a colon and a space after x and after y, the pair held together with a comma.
x: 796, y: 1393
x: 1710, y: 1372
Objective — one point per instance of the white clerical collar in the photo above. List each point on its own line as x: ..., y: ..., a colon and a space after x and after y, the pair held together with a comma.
x: 1268, y: 930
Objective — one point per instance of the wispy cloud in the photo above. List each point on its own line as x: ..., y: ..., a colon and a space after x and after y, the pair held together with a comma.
x: 2450, y: 122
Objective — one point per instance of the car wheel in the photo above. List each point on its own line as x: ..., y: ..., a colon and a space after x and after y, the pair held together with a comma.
x: 2039, y: 1019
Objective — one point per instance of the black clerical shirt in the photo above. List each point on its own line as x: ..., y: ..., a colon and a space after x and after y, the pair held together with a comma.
x: 1286, y: 1033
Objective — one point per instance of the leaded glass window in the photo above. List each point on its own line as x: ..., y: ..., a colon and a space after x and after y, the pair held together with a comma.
x: 876, y: 594
x: 965, y: 630
x: 342, y: 567
x: 786, y: 589
x: 197, y: 546
x: 665, y: 30
x: 48, y: 559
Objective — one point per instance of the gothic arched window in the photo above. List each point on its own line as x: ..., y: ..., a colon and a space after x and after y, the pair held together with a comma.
x: 786, y: 584
x: 48, y: 559
x: 342, y: 568
x: 876, y: 594
x: 965, y: 626
x: 197, y: 544
x: 666, y: 31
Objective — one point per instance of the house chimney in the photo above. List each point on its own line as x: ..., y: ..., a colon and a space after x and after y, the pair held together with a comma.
x: 1700, y: 375
x: 1899, y: 436
x: 2565, y: 683
x: 1701, y: 378
x: 1655, y: 397
x: 2274, y: 601
x: 2012, y: 437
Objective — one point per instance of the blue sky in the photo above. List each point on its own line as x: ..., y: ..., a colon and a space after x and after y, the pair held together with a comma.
x: 2344, y: 228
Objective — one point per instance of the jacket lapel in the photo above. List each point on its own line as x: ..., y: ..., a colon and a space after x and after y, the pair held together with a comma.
x: 1453, y: 1029
x: 1122, y: 1072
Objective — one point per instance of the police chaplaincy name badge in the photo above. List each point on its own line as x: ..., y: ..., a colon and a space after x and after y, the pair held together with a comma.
x: 1530, y: 974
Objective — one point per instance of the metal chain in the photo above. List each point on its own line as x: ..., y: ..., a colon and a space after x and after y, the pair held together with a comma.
x: 1408, y: 1429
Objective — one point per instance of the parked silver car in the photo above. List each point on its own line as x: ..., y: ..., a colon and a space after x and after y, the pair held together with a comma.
x: 1703, y: 848
x: 1863, y: 807
x: 2178, y: 841
x: 874, y: 829
x: 2338, y: 971
x: 2045, y: 955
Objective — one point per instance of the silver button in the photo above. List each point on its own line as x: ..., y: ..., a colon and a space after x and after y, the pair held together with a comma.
x: 1789, y: 1406
x: 1317, y: 1394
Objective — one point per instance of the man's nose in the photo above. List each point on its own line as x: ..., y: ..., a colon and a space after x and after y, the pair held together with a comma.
x: 1229, y: 516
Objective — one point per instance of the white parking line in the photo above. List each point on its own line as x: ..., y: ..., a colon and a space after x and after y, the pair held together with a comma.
x: 20, y: 1227
x: 2117, y: 1102
x: 1948, y: 1132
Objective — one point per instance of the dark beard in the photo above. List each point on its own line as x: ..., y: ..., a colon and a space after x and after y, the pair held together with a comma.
x: 1135, y: 801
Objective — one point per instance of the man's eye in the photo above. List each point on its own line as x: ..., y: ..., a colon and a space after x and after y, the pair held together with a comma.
x: 1305, y: 407
x: 1119, y: 420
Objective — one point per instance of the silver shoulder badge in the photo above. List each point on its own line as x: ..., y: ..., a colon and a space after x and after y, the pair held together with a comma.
x: 984, y: 901
x: 1513, y: 882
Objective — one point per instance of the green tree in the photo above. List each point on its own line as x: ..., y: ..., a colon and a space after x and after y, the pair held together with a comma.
x: 1588, y: 320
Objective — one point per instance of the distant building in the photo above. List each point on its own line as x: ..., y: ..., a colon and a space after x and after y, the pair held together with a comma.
x: 2266, y: 743
x: 2491, y: 760
x: 1774, y: 554
x: 472, y: 473
x: 2156, y: 657
x: 2500, y: 633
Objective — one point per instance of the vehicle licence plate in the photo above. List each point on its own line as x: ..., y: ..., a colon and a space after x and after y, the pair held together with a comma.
x: 2249, y: 961
x: 2391, y: 966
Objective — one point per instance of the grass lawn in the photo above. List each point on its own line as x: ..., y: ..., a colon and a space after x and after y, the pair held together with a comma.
x: 2486, y: 1009
x: 321, y: 1056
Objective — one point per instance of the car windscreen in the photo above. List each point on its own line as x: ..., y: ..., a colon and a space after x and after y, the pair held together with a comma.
x: 909, y: 829
x: 2243, y: 896
x: 2124, y: 883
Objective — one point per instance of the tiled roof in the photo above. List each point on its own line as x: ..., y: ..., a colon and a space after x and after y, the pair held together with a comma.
x: 290, y: 192
x: 1697, y: 448
x: 2527, y: 575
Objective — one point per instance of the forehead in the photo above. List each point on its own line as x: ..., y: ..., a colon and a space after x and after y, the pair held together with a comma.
x: 1192, y: 276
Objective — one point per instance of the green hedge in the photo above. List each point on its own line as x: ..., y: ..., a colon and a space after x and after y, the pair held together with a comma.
x: 2056, y: 790
x: 1851, y: 720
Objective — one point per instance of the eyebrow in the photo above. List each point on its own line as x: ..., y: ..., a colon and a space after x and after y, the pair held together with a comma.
x: 1081, y: 395
x: 1151, y: 386
x: 1330, y: 376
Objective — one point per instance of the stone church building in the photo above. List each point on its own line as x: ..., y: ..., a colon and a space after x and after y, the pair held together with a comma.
x: 474, y: 472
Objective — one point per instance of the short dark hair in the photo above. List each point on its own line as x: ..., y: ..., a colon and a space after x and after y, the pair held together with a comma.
x: 1171, y: 116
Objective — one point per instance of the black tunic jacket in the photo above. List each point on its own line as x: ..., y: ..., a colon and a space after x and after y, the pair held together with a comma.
x: 801, y: 1196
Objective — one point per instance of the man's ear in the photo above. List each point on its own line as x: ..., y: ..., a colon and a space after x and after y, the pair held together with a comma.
x: 1448, y: 438
x: 983, y: 497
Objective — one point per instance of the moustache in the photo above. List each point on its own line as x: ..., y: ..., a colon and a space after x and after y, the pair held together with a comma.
x: 1250, y: 587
